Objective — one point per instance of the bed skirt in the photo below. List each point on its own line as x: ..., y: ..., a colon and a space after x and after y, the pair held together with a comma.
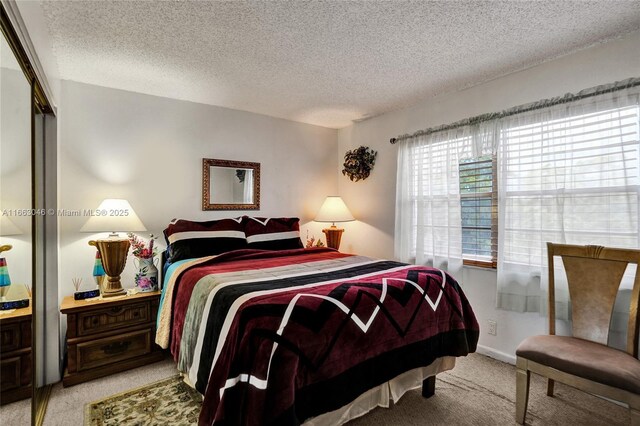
x: 379, y: 396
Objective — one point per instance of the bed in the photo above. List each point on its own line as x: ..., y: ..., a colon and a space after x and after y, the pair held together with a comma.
x: 273, y: 333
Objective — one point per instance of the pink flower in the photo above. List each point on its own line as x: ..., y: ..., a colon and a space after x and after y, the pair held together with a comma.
x: 144, y: 282
x: 139, y: 249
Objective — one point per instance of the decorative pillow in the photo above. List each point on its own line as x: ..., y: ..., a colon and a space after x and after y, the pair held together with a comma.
x: 274, y: 233
x: 187, y: 239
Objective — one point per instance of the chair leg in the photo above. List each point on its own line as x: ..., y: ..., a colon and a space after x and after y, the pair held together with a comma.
x: 522, y: 394
x: 550, y: 384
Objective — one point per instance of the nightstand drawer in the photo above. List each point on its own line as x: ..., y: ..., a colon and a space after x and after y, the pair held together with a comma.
x: 10, y: 373
x: 15, y: 355
x: 113, y: 349
x: 111, y: 318
x: 9, y: 337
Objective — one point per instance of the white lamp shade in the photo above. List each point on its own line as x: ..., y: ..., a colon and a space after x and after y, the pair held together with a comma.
x: 7, y: 227
x: 334, y: 210
x: 114, y: 215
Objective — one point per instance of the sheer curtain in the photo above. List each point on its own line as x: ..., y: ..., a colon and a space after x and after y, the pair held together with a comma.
x: 567, y: 173
x: 247, y: 187
x: 428, y: 226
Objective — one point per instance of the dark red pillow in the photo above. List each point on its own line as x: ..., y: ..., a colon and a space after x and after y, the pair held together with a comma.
x: 187, y: 239
x: 272, y: 233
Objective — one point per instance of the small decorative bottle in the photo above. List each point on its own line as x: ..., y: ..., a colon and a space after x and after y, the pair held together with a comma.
x: 98, y: 271
x: 5, y: 281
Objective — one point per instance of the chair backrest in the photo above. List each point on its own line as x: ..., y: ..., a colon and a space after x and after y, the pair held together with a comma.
x: 594, y: 274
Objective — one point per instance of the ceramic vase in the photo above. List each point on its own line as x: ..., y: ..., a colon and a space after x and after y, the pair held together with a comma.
x: 147, y: 275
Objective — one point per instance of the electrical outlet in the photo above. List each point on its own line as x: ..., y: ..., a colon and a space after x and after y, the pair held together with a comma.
x: 492, y: 327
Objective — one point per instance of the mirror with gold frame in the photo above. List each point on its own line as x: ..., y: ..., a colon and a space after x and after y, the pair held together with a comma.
x: 230, y: 185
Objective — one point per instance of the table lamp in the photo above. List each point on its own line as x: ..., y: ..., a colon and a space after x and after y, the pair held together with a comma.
x: 113, y: 216
x: 334, y: 210
x: 7, y: 227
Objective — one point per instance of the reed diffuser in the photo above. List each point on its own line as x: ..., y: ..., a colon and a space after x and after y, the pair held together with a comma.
x: 77, y: 282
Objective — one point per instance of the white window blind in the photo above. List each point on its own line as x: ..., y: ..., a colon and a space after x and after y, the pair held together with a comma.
x: 574, y: 178
x: 567, y: 174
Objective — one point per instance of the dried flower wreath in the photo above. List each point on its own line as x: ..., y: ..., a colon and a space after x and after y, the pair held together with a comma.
x: 358, y: 163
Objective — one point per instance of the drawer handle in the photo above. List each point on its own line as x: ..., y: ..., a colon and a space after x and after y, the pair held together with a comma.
x: 116, y: 348
x: 117, y: 310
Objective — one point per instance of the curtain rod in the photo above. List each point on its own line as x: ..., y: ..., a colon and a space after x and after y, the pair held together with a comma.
x: 569, y: 97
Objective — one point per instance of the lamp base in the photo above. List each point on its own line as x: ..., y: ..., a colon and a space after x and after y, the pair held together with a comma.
x: 113, y: 253
x: 112, y: 287
x: 334, y: 235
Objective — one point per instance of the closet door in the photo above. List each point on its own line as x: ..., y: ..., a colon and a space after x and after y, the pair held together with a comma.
x: 16, y: 238
x: 29, y: 336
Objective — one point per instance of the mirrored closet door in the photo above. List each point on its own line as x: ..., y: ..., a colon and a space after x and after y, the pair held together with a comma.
x: 29, y: 318
x: 16, y: 239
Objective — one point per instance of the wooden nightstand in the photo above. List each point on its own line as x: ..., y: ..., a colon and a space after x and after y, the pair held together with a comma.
x: 15, y: 355
x: 109, y: 335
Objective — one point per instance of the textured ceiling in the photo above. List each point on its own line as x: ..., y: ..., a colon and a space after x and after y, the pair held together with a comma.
x: 319, y: 62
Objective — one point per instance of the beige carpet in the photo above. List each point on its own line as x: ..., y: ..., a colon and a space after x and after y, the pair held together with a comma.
x: 66, y: 405
x: 16, y: 414
x: 481, y: 391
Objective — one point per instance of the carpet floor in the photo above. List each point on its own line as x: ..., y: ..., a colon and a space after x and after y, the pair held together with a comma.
x: 482, y: 391
x: 66, y: 405
x: 478, y: 391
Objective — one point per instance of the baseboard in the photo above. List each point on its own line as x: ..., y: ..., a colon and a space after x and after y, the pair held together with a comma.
x: 493, y: 353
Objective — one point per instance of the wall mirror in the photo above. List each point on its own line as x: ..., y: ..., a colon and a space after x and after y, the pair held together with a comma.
x: 230, y: 185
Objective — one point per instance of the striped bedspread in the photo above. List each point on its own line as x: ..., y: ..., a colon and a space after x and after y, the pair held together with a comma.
x: 279, y: 337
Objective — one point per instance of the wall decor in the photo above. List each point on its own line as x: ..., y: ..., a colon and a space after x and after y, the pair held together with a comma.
x: 358, y: 163
x: 230, y: 185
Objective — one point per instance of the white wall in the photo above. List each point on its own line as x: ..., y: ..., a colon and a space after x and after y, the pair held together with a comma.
x: 149, y: 150
x: 372, y: 202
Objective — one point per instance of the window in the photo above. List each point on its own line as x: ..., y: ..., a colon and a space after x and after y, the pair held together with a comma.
x: 562, y: 170
x: 479, y: 211
x: 573, y: 179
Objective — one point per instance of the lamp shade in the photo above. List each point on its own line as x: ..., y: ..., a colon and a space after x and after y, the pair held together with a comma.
x: 7, y: 227
x: 114, y: 215
x: 334, y: 210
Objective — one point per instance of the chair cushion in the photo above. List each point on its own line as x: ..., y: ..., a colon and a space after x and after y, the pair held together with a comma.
x: 585, y: 359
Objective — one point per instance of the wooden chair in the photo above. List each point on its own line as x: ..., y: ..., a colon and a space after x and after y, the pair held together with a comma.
x: 584, y: 360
